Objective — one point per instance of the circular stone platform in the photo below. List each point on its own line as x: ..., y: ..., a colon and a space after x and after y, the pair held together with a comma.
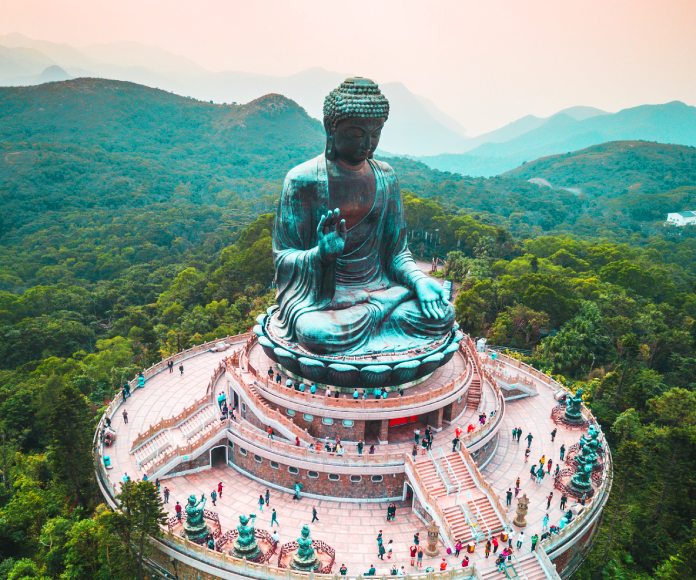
x: 370, y: 370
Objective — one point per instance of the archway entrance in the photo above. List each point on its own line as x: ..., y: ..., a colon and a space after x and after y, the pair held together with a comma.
x: 218, y: 456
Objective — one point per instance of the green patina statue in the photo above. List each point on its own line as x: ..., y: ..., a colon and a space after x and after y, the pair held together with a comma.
x: 305, y: 558
x: 245, y: 546
x: 573, y: 412
x: 347, y: 282
x: 195, y: 527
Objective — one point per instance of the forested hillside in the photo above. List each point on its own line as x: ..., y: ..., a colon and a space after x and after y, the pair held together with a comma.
x: 137, y: 225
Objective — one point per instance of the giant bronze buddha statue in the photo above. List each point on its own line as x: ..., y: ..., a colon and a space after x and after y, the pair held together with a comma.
x: 347, y: 282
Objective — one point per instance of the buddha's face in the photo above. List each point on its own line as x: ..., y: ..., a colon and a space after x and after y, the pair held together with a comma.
x: 355, y: 139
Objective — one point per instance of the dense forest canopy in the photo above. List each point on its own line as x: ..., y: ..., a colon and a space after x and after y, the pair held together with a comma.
x: 137, y: 223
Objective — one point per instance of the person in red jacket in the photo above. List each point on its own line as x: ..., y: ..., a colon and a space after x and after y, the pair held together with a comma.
x: 443, y: 565
x: 220, y: 489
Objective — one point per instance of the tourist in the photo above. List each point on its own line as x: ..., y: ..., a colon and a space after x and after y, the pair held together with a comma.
x: 125, y: 417
x: 328, y: 392
x: 343, y: 570
x: 302, y: 388
x: 274, y: 518
x: 157, y: 483
x: 539, y: 476
x: 315, y: 515
x: 548, y: 500
x: 211, y: 542
x: 520, y: 540
x: 401, y: 394
x: 556, y: 471
x: 508, y: 497
x: 275, y: 538
x: 288, y: 383
x: 372, y: 450
x: 336, y: 394
x: 177, y: 510
x: 141, y: 380
x: 542, y: 460
x: 356, y: 394
x: 269, y: 430
x: 535, y: 539
x: 514, y: 433
x: 381, y: 551
x: 416, y: 538
x: 413, y: 550
x: 465, y: 562
x: 278, y: 378
x: 221, y: 399
x: 553, y: 434
x: 458, y: 547
x: 488, y: 548
x: 529, y: 438
x: 511, y: 536
x: 297, y: 441
x: 401, y: 572
x: 443, y: 565
x: 420, y: 557
x: 562, y: 450
x: 527, y: 453
x: 583, y: 499
x: 165, y: 493
x: 126, y: 391
x: 564, y: 500
x: 470, y: 428
x: 220, y: 489
x: 545, y: 523
x: 548, y: 466
x: 494, y: 541
x: 455, y: 444
x: 379, y: 538
x: 517, y: 488
x: 389, y: 549
x: 532, y: 472
x: 170, y: 366
x: 270, y: 373
x: 298, y: 489
x: 181, y: 369
x: 125, y: 479
x: 372, y: 571
x: 213, y: 496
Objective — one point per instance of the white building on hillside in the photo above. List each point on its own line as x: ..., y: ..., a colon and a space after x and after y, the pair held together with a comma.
x: 682, y: 218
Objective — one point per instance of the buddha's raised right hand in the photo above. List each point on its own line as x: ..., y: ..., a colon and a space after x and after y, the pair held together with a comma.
x: 331, y: 233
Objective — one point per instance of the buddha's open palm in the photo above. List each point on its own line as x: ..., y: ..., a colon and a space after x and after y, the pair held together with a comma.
x: 331, y: 233
x: 431, y: 298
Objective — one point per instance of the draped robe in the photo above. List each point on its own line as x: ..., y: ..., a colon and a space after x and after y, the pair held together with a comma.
x: 364, y: 302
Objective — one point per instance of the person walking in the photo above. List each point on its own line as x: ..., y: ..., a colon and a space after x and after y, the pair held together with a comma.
x: 274, y: 518
x: 520, y: 540
x: 488, y: 548
x: 508, y: 497
x: 213, y: 496
x: 170, y: 366
x: 564, y: 500
x: 532, y: 472
x: 125, y: 417
x: 181, y: 369
x: 527, y: 452
x: 539, y: 476
x: 315, y: 515
x: 529, y: 438
x: 381, y: 551
x: 420, y: 557
x: 553, y: 434
x: 535, y: 539
x: 548, y: 500
x: 220, y: 486
x: 511, y: 537
x: 545, y: 523
x: 165, y: 493
x: 548, y: 466
x: 458, y: 547
x: 389, y: 549
x: 177, y: 510
x: 494, y: 541
x: 517, y: 488
x: 267, y: 497
x: 562, y: 450
x: 414, y: 451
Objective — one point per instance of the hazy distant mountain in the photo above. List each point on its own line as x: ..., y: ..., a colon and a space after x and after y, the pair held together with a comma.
x: 416, y: 125
x: 571, y: 130
x: 53, y: 74
x: 615, y: 168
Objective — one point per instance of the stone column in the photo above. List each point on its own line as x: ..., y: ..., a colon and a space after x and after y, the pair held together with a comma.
x: 384, y: 432
x: 438, y: 418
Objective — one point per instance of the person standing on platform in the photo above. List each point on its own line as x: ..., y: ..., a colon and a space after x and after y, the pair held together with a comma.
x: 165, y: 493
x: 213, y: 496
x: 553, y: 434
x: 549, y: 498
x: 529, y: 438
x: 267, y: 497
x: 508, y: 497
x: 562, y: 450
x: 564, y: 500
x: 274, y: 518
x: 170, y: 366
x: 315, y: 515
x: 220, y: 486
x: 261, y: 503
x: 181, y: 369
x: 125, y: 417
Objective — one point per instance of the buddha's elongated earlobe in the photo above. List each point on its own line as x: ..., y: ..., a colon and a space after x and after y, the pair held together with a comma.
x: 330, y: 149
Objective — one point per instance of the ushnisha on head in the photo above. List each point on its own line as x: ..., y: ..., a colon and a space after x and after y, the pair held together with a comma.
x: 354, y: 114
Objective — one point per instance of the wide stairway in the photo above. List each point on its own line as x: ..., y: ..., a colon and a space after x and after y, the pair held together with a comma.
x: 455, y: 484
x: 526, y: 567
x: 474, y: 393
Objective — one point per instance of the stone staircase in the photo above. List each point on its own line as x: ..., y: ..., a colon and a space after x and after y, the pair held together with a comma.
x: 463, y: 500
x: 200, y: 421
x: 474, y: 393
x: 147, y: 454
x: 526, y: 567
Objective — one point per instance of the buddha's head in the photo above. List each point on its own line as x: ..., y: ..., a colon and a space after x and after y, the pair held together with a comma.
x: 354, y: 114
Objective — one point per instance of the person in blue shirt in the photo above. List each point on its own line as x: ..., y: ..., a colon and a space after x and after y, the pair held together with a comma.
x: 356, y: 395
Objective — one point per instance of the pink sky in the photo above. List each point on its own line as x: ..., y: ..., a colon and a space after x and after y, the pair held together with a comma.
x: 485, y: 62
